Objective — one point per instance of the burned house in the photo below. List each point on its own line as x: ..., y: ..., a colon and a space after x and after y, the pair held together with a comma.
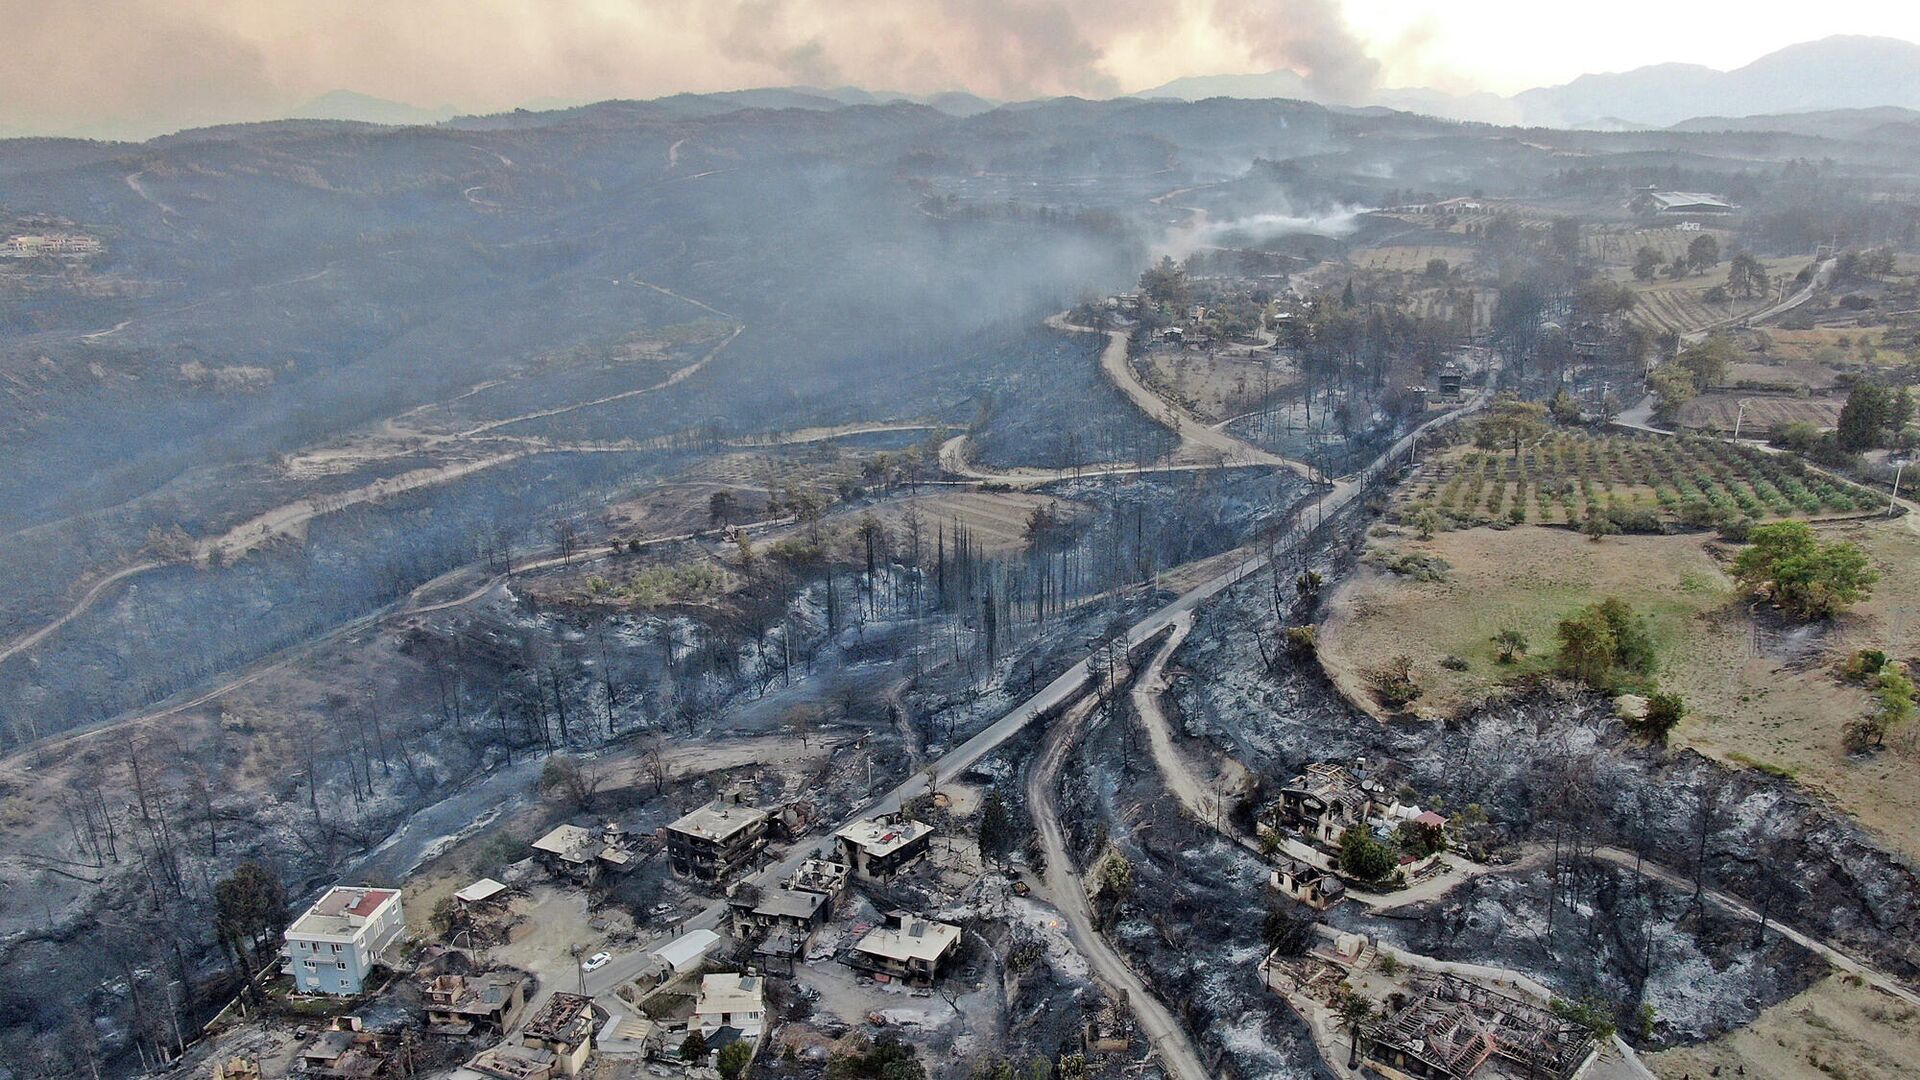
x: 882, y: 847
x: 798, y: 911
x: 345, y: 1051
x: 464, y: 1004
x: 582, y: 855
x: 1435, y: 1025
x: 1318, y: 889
x: 564, y: 1028
x: 908, y: 948
x: 1445, y: 1027
x: 821, y: 876
x: 716, y: 842
x: 1322, y: 803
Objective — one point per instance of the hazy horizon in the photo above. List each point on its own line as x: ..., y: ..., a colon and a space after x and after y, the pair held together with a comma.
x: 136, y: 68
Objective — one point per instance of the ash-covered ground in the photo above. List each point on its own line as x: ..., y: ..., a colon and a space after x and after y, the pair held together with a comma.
x: 1191, y: 925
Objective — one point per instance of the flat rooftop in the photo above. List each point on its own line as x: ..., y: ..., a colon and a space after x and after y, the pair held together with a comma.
x: 341, y: 911
x: 789, y: 903
x: 730, y: 993
x: 880, y: 839
x: 719, y: 822
x: 913, y: 939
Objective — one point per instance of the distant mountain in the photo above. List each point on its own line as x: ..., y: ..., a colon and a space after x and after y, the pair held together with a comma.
x: 1827, y: 123
x: 1833, y: 73
x: 366, y: 109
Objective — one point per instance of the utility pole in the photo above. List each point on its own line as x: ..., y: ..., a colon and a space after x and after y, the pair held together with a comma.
x: 1893, y: 502
x: 1738, y: 417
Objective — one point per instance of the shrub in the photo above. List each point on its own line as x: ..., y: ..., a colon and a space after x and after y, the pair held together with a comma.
x: 1302, y: 640
x: 1511, y: 643
x: 1603, y: 641
x: 1664, y: 713
x: 1393, y: 682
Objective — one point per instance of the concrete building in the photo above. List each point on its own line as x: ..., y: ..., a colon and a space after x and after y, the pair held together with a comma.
x: 800, y: 911
x: 730, y: 1000
x: 332, y: 947
x: 908, y: 948
x: 882, y: 847
x: 581, y: 855
x: 716, y: 842
x: 464, y: 1004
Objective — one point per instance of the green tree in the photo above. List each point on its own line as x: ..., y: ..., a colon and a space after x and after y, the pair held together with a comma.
x: 1866, y: 417
x: 1703, y: 253
x: 1632, y: 644
x: 1806, y: 578
x: 1510, y: 422
x: 1586, y: 647
x: 1893, y: 695
x: 1564, y: 408
x: 1746, y: 275
x: 1673, y: 386
x: 1355, y: 1013
x: 1364, y: 857
x: 734, y: 1060
x: 1709, y: 361
x: 1437, y: 269
x: 694, y: 1047
x: 1646, y: 264
x: 1166, y: 283
x: 249, y: 907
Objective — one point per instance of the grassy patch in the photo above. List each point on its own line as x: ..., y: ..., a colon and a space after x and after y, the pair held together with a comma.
x: 1765, y: 695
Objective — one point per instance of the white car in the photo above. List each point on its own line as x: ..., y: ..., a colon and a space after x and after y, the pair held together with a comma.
x: 597, y: 961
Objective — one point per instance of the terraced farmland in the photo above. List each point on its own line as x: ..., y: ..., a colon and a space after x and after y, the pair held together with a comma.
x: 1412, y: 258
x: 1619, y: 248
x: 1564, y: 477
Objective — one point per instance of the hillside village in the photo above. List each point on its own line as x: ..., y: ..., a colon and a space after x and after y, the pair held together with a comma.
x: 1466, y: 634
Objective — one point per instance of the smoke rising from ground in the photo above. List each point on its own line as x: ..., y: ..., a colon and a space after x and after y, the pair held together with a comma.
x: 136, y: 67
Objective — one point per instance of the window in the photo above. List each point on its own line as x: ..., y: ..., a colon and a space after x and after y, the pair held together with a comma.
x: 311, y: 965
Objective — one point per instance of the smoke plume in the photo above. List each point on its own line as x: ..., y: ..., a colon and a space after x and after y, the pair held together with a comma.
x: 123, y: 67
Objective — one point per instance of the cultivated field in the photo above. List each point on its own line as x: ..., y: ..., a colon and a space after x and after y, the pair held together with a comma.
x: 1765, y: 413
x: 1219, y: 388
x: 1760, y: 694
x: 1836, y: 345
x: 1618, y: 248
x: 1564, y: 476
x: 997, y: 521
x: 1681, y: 306
x: 1412, y: 258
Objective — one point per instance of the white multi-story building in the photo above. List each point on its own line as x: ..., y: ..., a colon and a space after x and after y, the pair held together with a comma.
x: 332, y: 947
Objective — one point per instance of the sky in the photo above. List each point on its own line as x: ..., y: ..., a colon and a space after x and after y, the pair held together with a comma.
x: 140, y: 67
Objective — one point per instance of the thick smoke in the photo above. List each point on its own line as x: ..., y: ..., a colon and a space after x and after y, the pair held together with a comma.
x: 139, y: 66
